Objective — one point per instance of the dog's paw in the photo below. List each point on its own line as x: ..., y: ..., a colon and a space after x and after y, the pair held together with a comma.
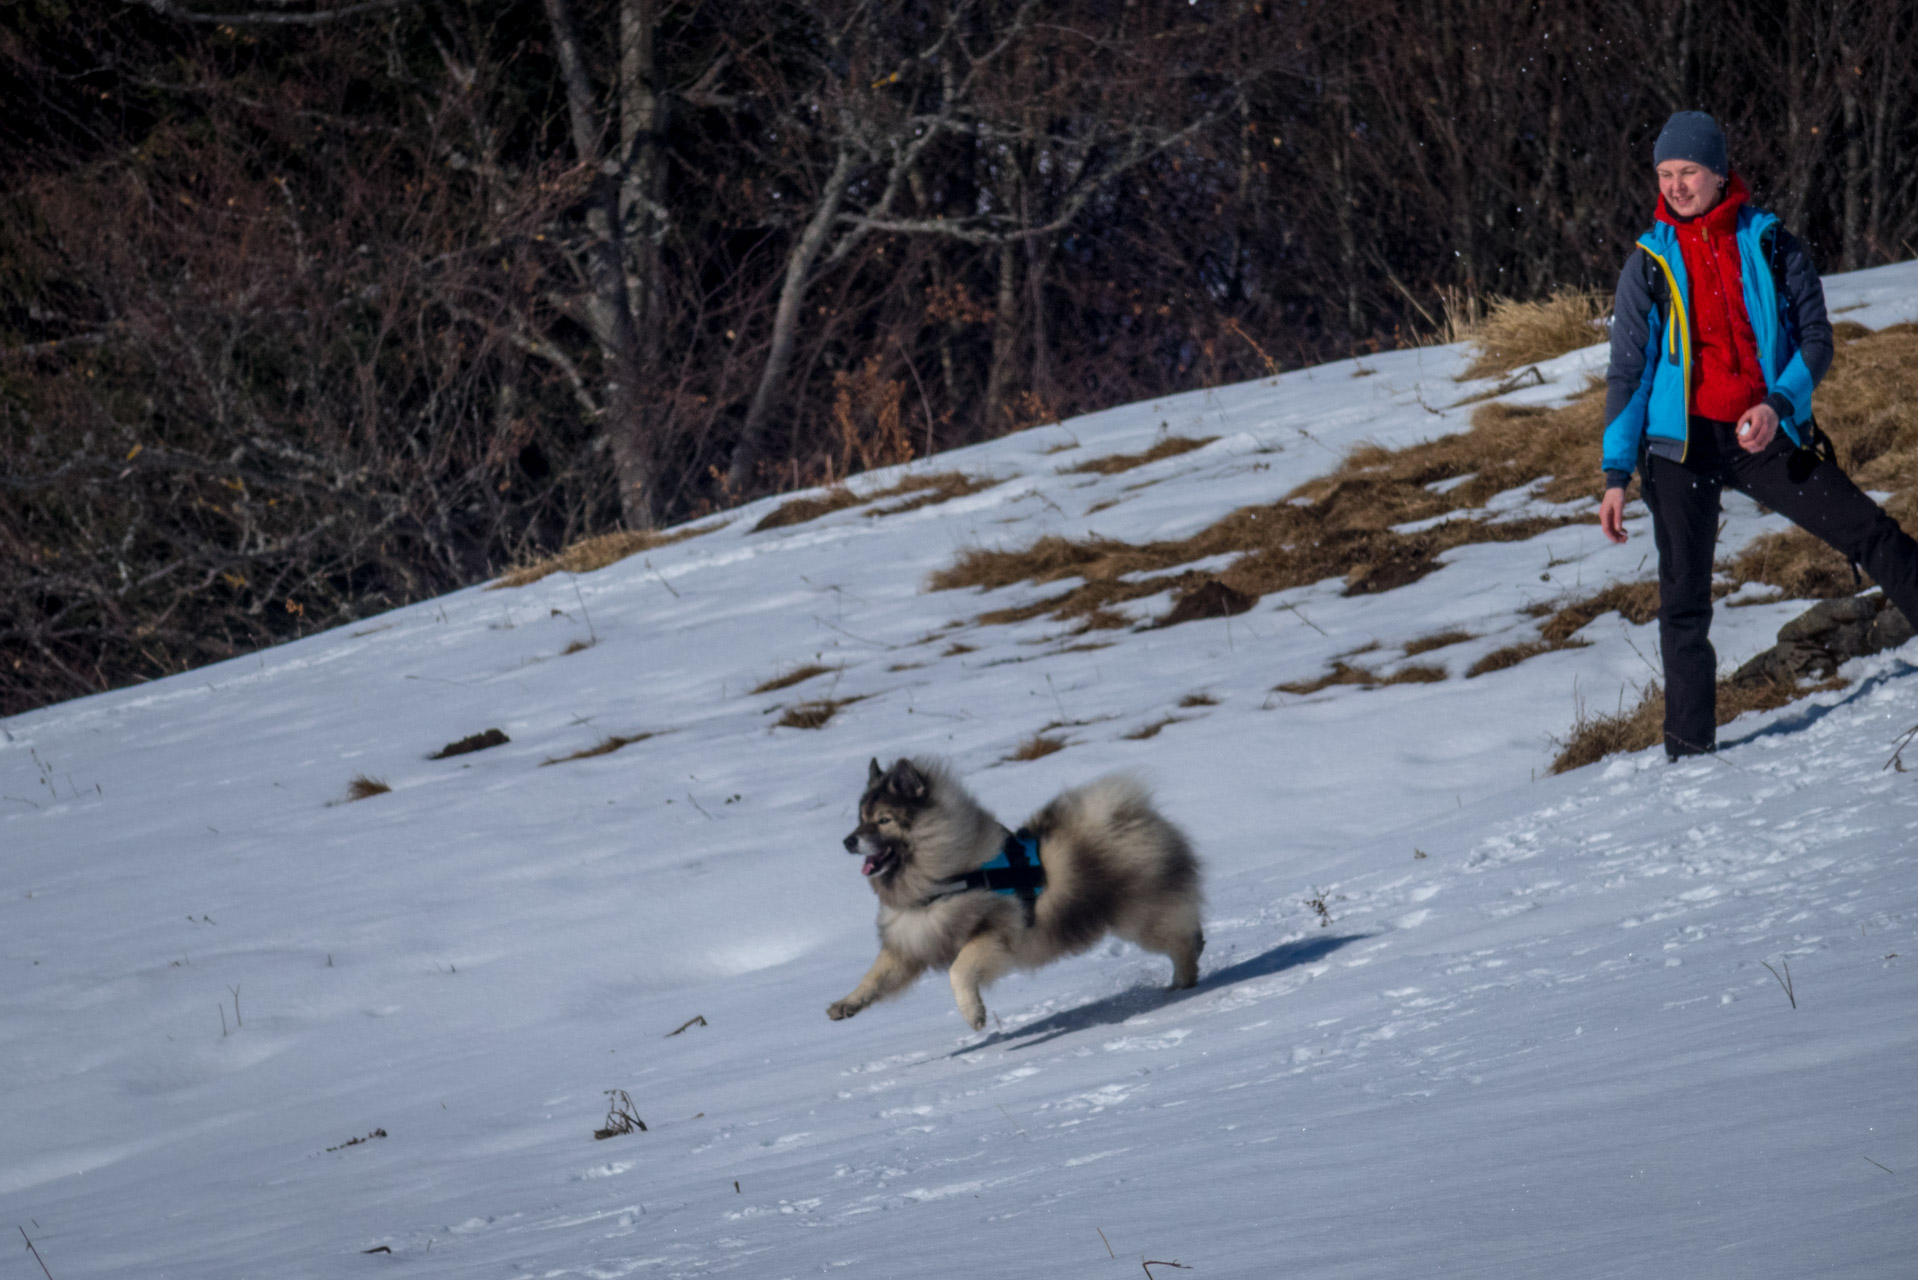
x: 975, y: 1016
x: 839, y: 1010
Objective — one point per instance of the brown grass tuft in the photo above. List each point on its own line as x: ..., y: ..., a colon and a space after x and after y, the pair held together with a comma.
x: 1514, y: 334
x: 1437, y: 640
x: 599, y: 551
x: 365, y: 788
x: 813, y: 715
x: 1346, y: 673
x: 1151, y: 730
x: 811, y: 507
x: 1198, y: 700
x: 472, y: 742
x: 1513, y: 654
x: 1594, y: 737
x: 1637, y: 602
x: 605, y: 747
x: 1338, y: 526
x: 1642, y: 725
x: 1113, y: 463
x: 1039, y: 744
x: 929, y: 489
x: 797, y: 675
x: 921, y: 490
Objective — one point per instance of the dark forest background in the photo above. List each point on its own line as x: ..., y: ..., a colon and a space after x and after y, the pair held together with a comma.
x: 309, y: 308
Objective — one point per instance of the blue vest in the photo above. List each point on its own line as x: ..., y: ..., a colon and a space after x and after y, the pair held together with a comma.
x: 1661, y: 407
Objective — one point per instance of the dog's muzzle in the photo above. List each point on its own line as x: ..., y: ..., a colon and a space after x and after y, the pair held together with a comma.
x: 879, y: 855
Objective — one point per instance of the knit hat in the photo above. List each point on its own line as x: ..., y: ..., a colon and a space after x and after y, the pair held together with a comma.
x: 1694, y: 136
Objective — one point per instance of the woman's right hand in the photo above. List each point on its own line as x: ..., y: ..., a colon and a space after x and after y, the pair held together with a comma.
x: 1611, y: 514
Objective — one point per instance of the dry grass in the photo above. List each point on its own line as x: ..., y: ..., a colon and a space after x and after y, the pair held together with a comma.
x: 1039, y: 744
x: 922, y: 490
x: 604, y: 747
x: 364, y: 788
x: 1641, y: 725
x: 811, y: 507
x: 1113, y: 463
x: 1346, y: 673
x: 797, y: 675
x: 599, y: 551
x: 1513, y: 654
x: 929, y: 489
x: 1338, y: 526
x: 1636, y: 602
x: 1514, y: 334
x: 813, y: 715
x: 1198, y: 700
x: 1437, y: 640
x: 1151, y: 730
x: 472, y: 742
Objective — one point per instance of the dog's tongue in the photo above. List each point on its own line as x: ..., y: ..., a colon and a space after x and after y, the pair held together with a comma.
x: 872, y: 864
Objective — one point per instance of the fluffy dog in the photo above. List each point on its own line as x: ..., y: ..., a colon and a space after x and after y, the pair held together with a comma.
x: 1110, y: 863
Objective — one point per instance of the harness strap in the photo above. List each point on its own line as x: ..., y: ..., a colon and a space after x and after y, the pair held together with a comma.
x: 1017, y: 871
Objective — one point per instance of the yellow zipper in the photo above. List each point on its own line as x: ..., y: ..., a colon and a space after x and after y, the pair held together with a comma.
x: 1678, y: 337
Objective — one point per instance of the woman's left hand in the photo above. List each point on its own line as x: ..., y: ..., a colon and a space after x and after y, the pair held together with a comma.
x: 1757, y: 427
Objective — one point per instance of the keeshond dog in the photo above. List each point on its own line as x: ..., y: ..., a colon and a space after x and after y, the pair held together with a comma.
x: 957, y: 891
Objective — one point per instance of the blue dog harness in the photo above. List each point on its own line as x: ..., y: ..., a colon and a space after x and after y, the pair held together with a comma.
x: 1015, y: 872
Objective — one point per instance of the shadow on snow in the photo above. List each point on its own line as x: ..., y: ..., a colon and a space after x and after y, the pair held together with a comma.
x: 1128, y: 1004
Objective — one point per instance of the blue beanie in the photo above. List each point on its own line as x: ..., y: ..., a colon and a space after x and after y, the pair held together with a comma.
x: 1694, y: 136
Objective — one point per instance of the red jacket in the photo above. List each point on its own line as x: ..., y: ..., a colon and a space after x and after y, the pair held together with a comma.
x: 1727, y: 378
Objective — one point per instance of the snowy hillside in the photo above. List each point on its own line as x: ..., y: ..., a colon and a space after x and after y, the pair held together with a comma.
x: 1457, y: 1016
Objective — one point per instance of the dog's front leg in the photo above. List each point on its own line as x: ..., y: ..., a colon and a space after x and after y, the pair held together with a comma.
x: 978, y: 964
x: 888, y: 974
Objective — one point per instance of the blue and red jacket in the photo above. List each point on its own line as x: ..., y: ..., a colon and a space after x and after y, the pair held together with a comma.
x: 1651, y: 384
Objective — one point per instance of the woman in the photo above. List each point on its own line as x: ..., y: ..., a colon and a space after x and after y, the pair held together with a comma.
x: 1719, y: 334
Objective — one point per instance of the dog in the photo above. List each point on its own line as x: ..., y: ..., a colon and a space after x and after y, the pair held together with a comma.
x: 1107, y: 862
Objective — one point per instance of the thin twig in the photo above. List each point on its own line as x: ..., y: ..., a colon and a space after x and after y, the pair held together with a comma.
x: 1107, y: 1243
x: 43, y: 1265
x: 1785, y: 981
x: 697, y: 1020
x: 581, y: 597
x: 1895, y: 762
x: 1869, y: 1160
x: 1147, y: 1266
x: 1307, y: 621
x: 1055, y: 698
x: 648, y: 562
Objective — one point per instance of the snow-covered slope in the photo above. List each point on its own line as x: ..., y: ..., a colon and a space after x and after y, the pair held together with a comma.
x: 1533, y: 1031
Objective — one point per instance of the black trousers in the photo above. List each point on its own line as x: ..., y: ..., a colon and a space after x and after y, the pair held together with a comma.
x: 1809, y: 490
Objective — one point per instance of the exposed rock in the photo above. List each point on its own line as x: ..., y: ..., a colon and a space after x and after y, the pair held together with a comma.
x: 1831, y: 632
x: 1210, y: 598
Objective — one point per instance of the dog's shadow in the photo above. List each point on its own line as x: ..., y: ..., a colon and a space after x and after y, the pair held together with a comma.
x: 1128, y: 1004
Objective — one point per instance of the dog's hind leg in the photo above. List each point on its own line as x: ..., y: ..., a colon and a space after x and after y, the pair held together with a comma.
x: 979, y: 963
x: 889, y: 973
x: 1175, y: 934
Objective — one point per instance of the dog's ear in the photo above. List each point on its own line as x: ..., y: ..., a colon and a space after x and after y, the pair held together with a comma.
x: 874, y: 773
x: 906, y: 782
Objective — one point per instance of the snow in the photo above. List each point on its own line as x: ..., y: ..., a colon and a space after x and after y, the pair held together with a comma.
x: 1535, y: 1034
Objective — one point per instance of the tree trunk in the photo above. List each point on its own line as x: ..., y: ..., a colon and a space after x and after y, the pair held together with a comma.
x: 1005, y: 337
x: 792, y: 295
x: 1849, y: 85
x: 624, y: 423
